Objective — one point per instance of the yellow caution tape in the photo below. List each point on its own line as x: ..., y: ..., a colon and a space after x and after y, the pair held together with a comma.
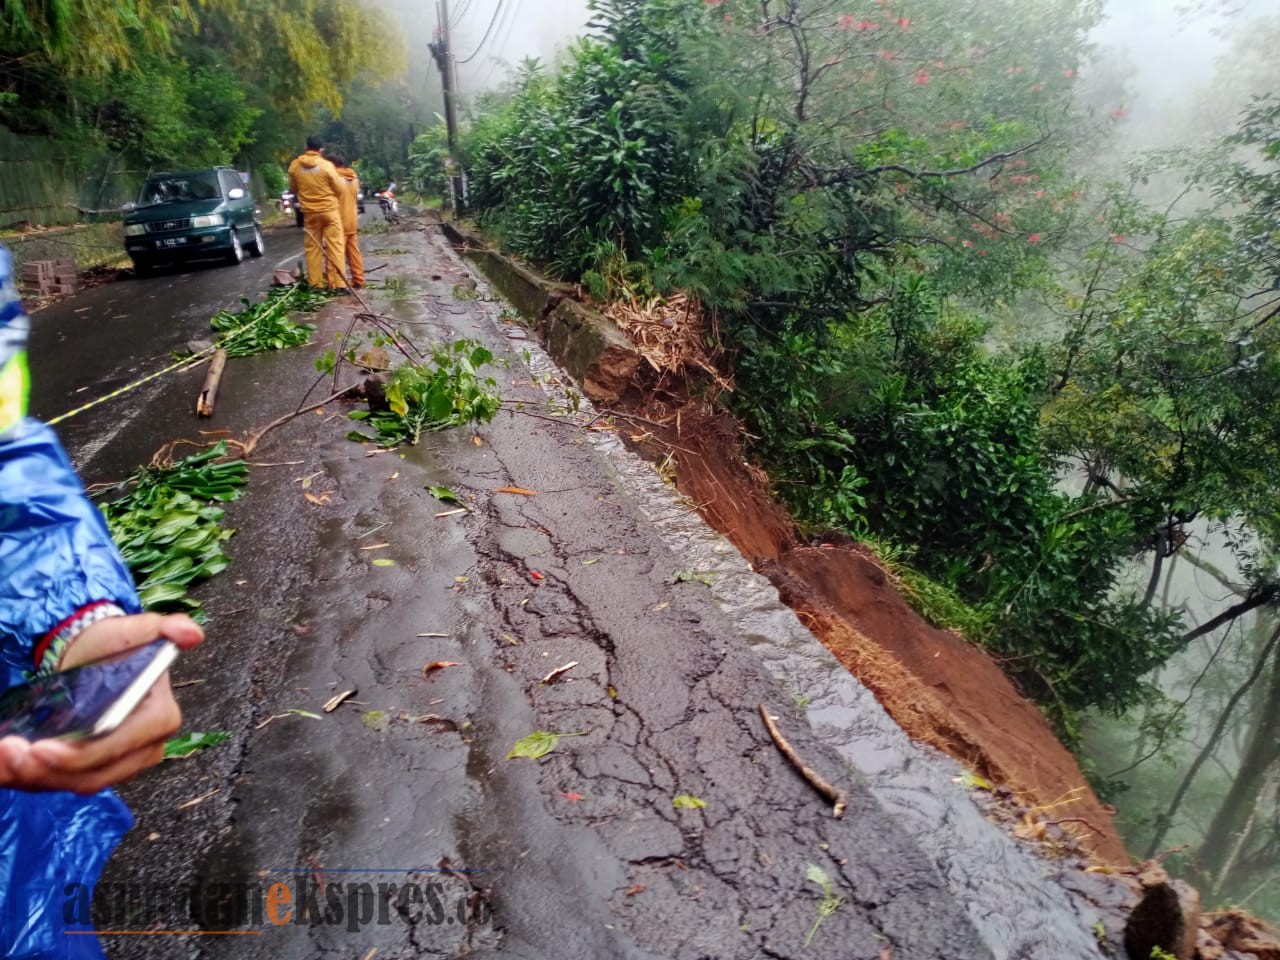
x: 181, y: 364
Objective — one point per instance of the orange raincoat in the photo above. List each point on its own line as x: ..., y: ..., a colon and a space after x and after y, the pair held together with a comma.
x: 319, y: 189
x: 350, y: 224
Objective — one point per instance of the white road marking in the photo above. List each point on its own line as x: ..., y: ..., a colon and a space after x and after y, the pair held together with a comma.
x: 90, y: 450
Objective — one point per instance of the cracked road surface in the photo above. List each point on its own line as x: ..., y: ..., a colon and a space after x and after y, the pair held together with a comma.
x: 396, y: 824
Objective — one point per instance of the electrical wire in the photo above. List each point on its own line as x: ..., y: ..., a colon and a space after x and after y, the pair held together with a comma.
x: 501, y: 40
x: 501, y: 4
x: 506, y: 27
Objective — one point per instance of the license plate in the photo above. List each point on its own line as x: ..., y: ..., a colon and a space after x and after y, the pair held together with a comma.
x: 171, y: 242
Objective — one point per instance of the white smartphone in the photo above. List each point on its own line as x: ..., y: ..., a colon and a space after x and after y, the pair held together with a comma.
x: 86, y: 701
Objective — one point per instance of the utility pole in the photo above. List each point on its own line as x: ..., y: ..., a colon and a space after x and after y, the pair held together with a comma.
x: 442, y: 52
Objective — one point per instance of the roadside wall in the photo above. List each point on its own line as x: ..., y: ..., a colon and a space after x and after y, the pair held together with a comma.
x: 588, y: 346
x: 48, y: 182
x: 89, y: 244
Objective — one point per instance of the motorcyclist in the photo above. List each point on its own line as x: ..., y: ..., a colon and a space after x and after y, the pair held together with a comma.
x: 387, y: 200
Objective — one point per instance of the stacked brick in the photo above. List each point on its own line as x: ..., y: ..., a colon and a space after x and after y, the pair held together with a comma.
x: 44, y: 278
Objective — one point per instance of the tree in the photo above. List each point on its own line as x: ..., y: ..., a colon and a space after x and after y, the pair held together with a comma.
x: 303, y: 54
x: 1167, y: 378
x: 428, y: 161
x: 86, y: 37
x: 132, y: 83
x: 1241, y: 843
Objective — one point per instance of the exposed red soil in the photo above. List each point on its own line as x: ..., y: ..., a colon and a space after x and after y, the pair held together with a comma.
x: 942, y: 690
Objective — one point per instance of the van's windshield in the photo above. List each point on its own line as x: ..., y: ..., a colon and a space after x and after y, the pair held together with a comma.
x: 180, y: 188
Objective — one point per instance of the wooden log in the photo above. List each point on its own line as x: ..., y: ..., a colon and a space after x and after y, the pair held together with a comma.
x: 212, y: 380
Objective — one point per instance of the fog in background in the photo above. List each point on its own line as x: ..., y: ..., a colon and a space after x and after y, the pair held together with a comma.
x: 524, y: 28
x: 491, y: 36
x: 1154, y: 55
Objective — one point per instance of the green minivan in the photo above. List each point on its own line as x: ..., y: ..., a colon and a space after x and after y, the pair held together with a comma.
x: 193, y: 215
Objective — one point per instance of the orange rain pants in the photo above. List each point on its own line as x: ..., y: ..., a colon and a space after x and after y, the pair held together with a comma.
x: 355, y: 259
x: 327, y: 267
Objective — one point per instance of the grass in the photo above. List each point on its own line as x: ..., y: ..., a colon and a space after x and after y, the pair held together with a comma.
x: 937, y: 603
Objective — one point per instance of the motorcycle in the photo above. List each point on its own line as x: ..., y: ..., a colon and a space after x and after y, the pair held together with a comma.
x: 289, y: 204
x: 387, y: 201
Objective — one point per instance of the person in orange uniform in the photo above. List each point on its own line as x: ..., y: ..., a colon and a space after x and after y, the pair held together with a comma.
x: 319, y: 189
x: 350, y: 221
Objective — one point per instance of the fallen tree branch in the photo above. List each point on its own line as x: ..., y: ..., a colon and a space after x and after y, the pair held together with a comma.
x: 255, y: 438
x: 838, y: 798
x: 212, y: 381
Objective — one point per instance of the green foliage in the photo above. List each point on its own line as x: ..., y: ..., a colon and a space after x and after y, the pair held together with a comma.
x: 428, y: 159
x: 301, y: 53
x: 167, y: 533
x: 265, y: 326
x: 685, y: 801
x: 189, y: 744
x: 566, y: 168
x: 447, y: 392
x: 88, y: 37
x: 169, y: 113
x: 444, y: 494
x: 538, y: 744
x: 830, y: 902
x: 135, y: 84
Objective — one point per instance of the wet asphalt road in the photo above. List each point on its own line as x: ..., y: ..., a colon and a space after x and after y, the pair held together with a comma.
x: 400, y: 806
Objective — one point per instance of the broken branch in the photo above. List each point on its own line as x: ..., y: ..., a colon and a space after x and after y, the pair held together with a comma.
x: 212, y: 380
x: 838, y: 798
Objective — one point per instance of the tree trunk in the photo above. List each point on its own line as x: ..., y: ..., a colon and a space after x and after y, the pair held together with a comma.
x: 1165, y: 821
x: 1156, y: 566
x: 1260, y: 758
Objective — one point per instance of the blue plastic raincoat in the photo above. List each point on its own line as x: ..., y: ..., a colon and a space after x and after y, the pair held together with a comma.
x: 56, y: 556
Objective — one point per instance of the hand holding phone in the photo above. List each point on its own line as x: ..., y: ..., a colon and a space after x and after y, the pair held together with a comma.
x: 86, y: 701
x: 89, y: 765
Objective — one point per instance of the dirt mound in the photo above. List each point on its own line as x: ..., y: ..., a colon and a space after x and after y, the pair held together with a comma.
x: 939, y: 688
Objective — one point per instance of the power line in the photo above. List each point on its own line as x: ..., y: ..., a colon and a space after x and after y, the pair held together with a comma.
x: 505, y: 29
x: 484, y: 40
x: 501, y: 39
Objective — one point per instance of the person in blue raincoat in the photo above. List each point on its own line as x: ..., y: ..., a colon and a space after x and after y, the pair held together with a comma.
x: 66, y: 598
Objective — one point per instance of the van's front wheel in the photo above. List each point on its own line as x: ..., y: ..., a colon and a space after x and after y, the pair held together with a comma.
x: 237, y: 251
x: 256, y: 247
